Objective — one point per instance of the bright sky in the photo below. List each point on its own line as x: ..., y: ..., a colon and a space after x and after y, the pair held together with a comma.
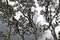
x: 18, y: 15
x: 40, y: 18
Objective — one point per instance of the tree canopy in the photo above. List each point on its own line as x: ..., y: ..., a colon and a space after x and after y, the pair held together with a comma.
x: 26, y: 25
